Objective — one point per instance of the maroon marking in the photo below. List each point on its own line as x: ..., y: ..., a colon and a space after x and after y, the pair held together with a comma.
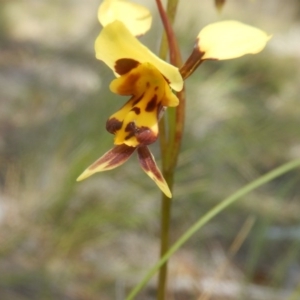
x: 166, y: 79
x: 113, y: 125
x: 151, y: 105
x: 129, y: 136
x: 122, y: 155
x: 156, y: 88
x: 131, y: 128
x: 124, y: 65
x: 137, y: 110
x: 192, y: 63
x: 145, y: 136
x: 147, y: 84
x: 148, y: 164
x: 115, y: 156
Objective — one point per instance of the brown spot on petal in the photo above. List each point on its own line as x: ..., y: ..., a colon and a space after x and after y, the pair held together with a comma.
x: 131, y: 128
x: 156, y: 88
x: 151, y: 105
x: 113, y: 125
x: 137, y: 110
x: 124, y: 65
x: 129, y: 136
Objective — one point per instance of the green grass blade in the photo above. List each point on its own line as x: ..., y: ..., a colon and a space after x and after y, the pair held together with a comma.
x: 212, y: 213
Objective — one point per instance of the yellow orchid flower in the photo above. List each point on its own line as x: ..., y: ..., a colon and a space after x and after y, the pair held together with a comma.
x: 135, y: 17
x: 148, y: 80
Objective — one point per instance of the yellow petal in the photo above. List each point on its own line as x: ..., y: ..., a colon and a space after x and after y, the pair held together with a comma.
x: 148, y: 164
x: 110, y: 160
x: 115, y: 43
x: 230, y: 39
x: 136, y: 18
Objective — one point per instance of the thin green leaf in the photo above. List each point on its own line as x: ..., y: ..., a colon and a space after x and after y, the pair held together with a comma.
x: 212, y: 213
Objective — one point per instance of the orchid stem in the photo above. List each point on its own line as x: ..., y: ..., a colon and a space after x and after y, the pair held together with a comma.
x: 166, y: 205
x: 170, y: 136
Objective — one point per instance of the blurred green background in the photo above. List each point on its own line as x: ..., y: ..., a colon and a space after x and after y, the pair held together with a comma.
x: 60, y: 239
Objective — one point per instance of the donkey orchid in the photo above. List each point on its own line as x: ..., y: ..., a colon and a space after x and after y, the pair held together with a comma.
x: 150, y: 81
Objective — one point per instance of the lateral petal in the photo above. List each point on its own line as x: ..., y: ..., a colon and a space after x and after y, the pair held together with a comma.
x: 230, y: 39
x: 136, y: 17
x: 115, y: 43
x: 148, y: 164
x: 110, y: 160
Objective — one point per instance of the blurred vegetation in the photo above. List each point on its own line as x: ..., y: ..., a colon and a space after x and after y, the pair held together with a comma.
x: 60, y: 239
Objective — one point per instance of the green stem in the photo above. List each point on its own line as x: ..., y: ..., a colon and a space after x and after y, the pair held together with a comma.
x: 177, y: 128
x: 166, y: 205
x: 211, y: 214
x: 169, y: 138
x: 175, y: 116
